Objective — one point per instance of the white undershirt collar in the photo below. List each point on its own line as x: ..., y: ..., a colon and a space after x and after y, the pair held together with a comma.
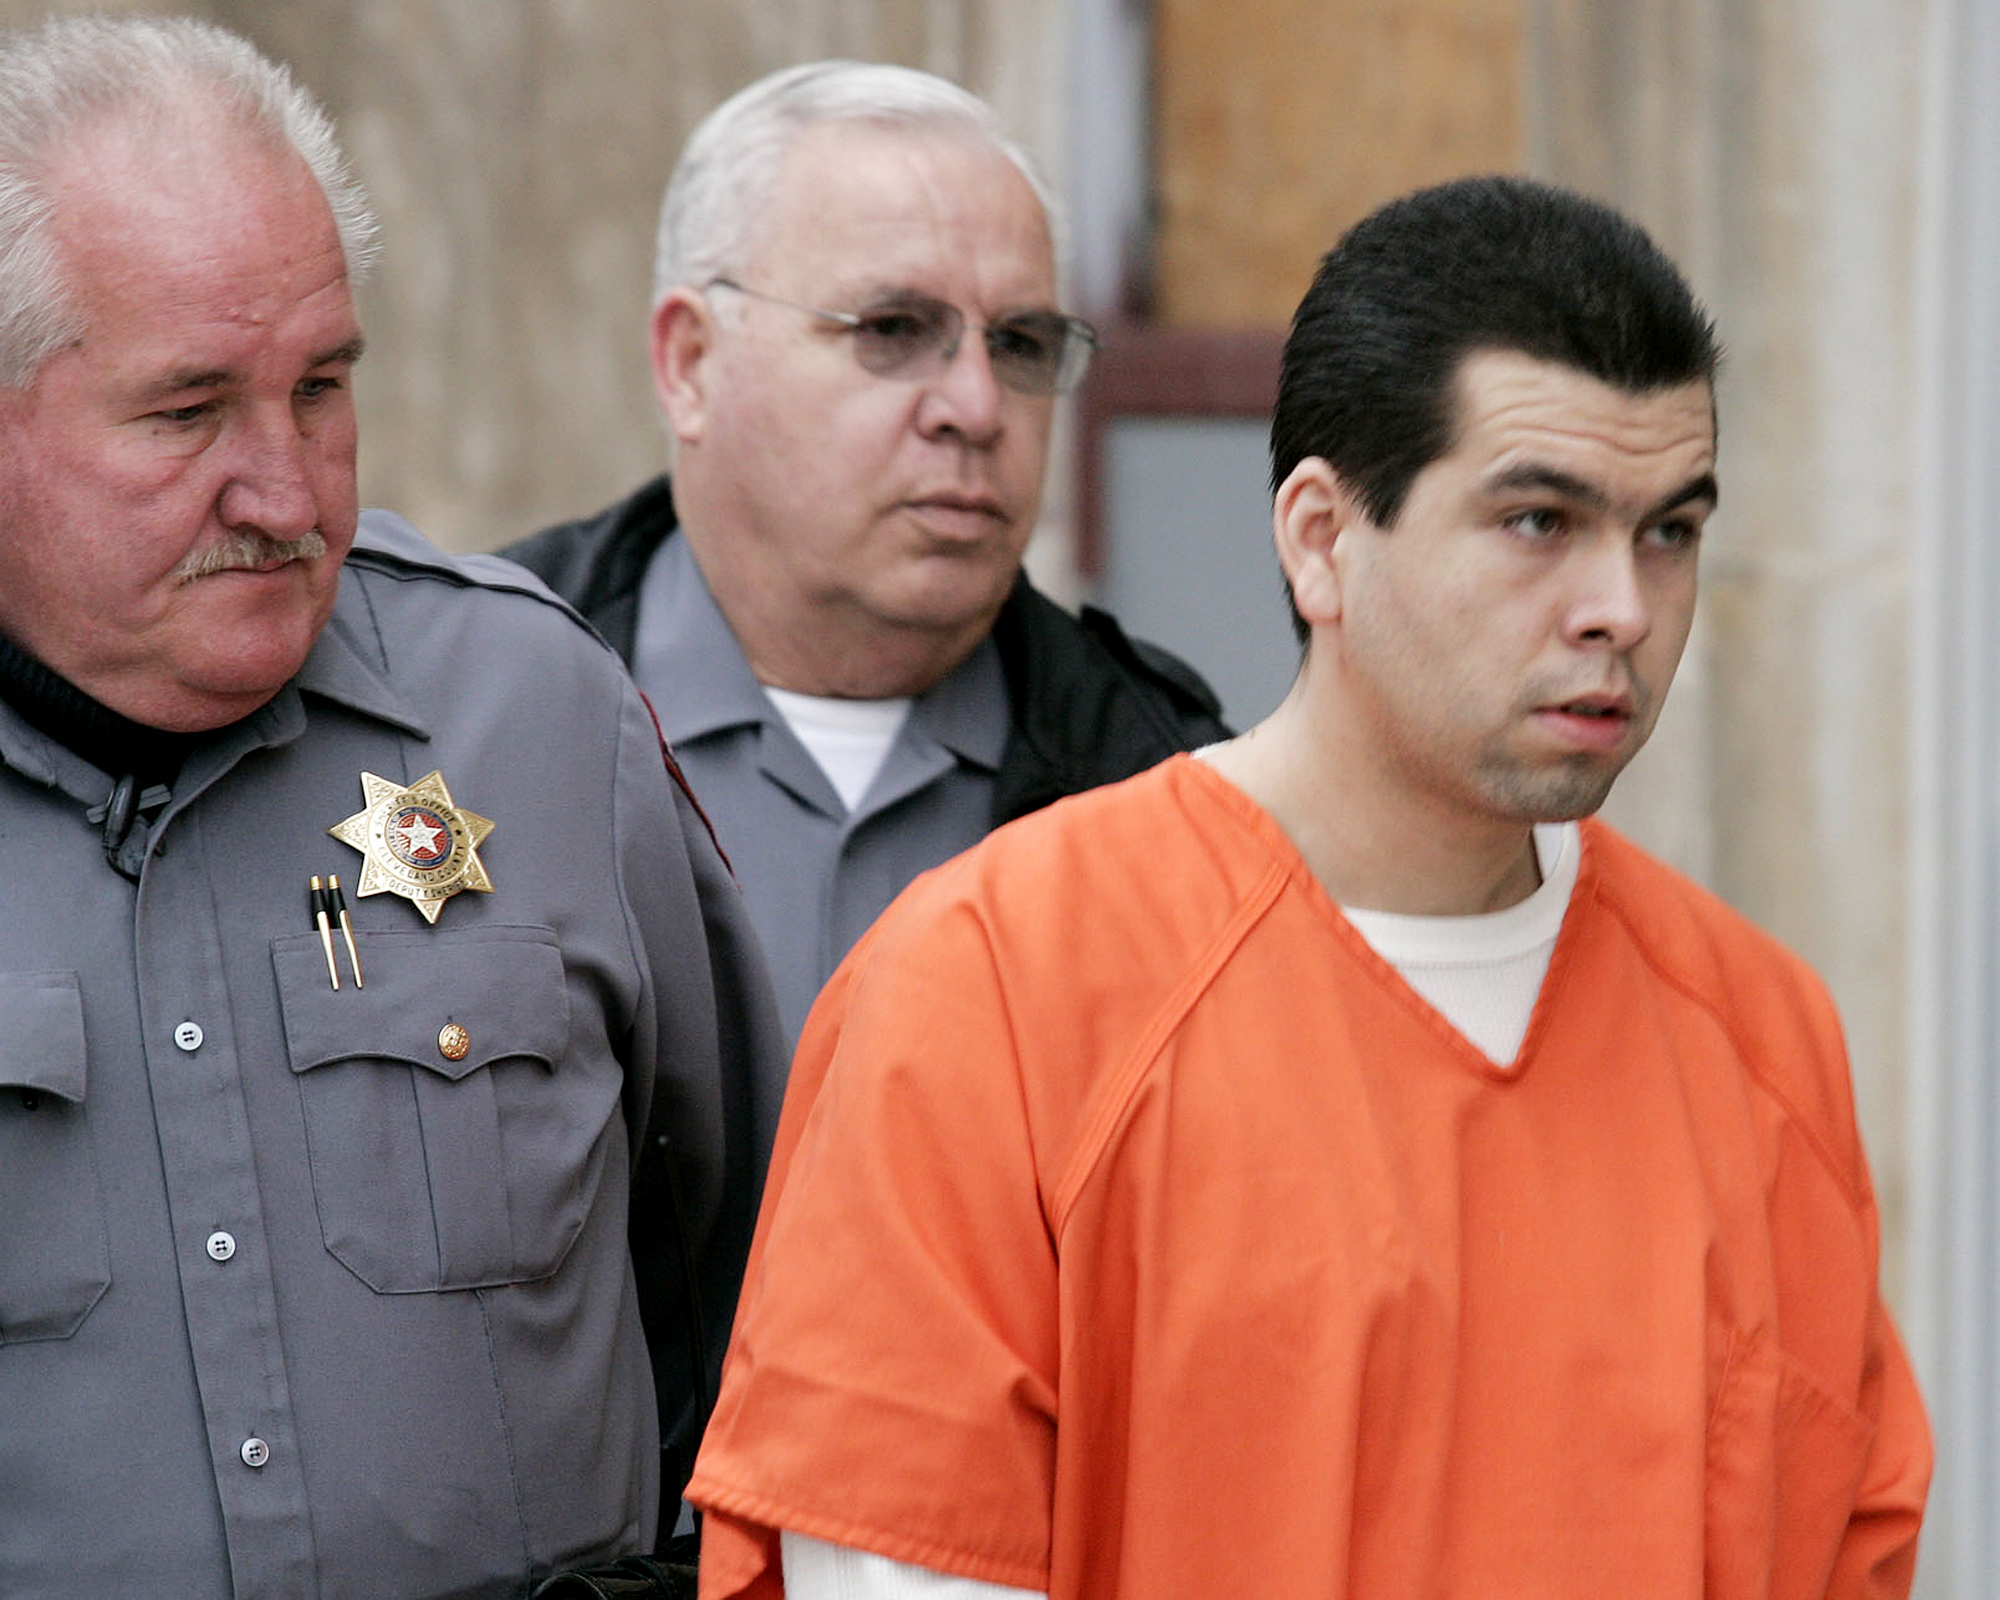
x: 850, y: 739
x: 1484, y: 972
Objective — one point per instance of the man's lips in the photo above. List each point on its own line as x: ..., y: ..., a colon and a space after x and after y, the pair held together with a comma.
x: 1589, y: 721
x: 971, y: 515
x: 249, y: 569
x: 949, y: 500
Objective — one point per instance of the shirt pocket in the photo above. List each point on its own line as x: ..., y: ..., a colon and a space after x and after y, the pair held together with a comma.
x: 454, y: 1140
x: 1786, y: 1456
x: 55, y: 1251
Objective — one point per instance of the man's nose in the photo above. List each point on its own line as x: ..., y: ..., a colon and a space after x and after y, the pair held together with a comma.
x: 1610, y: 604
x: 269, y: 486
x: 964, y: 396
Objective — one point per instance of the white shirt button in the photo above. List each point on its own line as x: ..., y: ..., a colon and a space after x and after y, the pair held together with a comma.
x: 255, y: 1452
x: 221, y: 1246
x: 188, y: 1036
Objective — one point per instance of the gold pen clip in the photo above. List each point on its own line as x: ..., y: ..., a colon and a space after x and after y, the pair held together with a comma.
x: 319, y: 911
x: 338, y: 902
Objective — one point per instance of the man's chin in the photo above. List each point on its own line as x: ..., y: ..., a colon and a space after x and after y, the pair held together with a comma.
x: 1568, y: 795
x: 205, y: 692
x: 951, y: 597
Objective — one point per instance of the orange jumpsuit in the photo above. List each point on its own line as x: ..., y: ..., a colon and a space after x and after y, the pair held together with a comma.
x: 1135, y: 1231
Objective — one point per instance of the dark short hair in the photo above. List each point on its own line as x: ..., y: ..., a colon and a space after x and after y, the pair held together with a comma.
x: 1489, y: 263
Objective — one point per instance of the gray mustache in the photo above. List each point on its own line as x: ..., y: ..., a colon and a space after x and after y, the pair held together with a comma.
x: 244, y: 551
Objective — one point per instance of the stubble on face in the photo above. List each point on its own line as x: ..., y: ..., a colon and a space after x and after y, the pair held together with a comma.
x: 1515, y: 632
x: 1573, y: 788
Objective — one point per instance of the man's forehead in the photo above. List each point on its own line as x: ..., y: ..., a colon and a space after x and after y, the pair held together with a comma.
x: 1497, y: 390
x: 174, y: 259
x: 124, y: 187
x: 157, y: 147
x: 879, y: 202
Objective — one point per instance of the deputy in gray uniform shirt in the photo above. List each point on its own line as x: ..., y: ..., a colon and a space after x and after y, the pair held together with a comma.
x: 856, y: 343
x: 314, y: 1277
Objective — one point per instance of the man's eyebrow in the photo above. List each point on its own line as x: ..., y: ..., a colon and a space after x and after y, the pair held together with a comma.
x: 344, y: 354
x: 881, y: 294
x: 890, y: 297
x: 1701, y: 487
x: 187, y: 378
x: 1534, y: 475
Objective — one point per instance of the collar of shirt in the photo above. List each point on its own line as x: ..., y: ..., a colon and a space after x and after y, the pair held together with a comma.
x: 340, y: 669
x: 689, y: 664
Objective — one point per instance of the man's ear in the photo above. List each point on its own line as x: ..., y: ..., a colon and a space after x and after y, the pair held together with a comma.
x: 683, y: 338
x: 1310, y: 511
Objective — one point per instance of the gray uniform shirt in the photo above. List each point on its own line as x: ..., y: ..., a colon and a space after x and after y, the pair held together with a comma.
x: 293, y: 1303
x: 814, y: 874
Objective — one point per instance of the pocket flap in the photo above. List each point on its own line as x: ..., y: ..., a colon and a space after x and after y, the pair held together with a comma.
x: 41, y: 1043
x: 501, y: 988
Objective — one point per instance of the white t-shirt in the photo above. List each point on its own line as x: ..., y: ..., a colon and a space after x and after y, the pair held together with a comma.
x: 850, y: 739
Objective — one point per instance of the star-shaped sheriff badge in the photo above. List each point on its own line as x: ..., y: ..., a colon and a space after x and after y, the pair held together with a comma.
x: 414, y: 842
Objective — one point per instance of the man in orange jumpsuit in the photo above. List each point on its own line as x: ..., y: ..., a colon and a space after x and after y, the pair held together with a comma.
x: 1331, y: 1165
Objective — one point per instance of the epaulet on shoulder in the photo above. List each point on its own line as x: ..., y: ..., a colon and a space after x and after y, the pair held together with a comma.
x: 385, y: 542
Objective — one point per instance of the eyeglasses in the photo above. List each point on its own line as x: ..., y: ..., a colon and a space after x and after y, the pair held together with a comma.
x: 914, y: 336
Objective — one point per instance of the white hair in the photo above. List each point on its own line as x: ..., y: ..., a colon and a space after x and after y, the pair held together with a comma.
x: 72, y: 73
x: 724, y: 180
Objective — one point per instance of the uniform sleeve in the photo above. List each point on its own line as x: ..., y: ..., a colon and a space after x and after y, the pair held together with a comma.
x: 706, y: 1027
x: 891, y: 1384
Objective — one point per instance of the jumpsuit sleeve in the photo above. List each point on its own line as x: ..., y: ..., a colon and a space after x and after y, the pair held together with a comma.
x: 891, y: 1384
x: 1878, y: 1555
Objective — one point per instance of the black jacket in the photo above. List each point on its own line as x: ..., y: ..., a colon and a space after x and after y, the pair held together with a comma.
x: 1089, y: 705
